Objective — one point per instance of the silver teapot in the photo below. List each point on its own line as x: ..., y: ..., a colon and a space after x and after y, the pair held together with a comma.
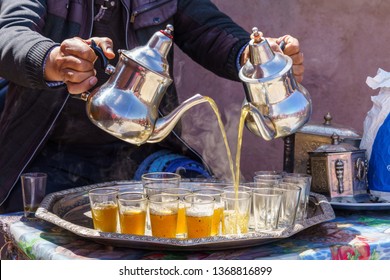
x: 278, y: 106
x: 126, y: 106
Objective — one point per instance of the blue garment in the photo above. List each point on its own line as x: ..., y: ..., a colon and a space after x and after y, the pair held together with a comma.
x: 379, y: 165
x: 167, y: 161
x: 3, y: 92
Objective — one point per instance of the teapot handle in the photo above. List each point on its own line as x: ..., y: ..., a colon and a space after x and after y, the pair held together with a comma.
x: 108, y: 68
x: 282, y: 45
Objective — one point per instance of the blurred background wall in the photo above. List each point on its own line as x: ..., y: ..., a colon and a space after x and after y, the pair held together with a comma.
x: 343, y: 43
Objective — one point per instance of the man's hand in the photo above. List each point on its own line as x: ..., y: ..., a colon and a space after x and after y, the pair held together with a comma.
x: 73, y: 63
x: 291, y: 49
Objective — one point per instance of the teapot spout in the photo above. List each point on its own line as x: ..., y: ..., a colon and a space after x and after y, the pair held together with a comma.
x: 264, y: 125
x: 165, y: 125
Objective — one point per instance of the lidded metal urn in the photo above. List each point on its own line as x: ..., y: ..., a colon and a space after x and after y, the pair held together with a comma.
x: 311, y: 136
x: 339, y: 170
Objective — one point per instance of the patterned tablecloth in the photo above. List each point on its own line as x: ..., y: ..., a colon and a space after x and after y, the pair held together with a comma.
x: 352, y: 235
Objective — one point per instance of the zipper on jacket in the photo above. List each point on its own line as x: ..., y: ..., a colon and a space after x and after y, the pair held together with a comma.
x: 92, y: 18
x: 127, y: 24
x: 145, y: 8
x: 126, y: 27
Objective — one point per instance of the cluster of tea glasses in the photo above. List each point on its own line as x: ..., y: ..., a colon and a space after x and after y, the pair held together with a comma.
x: 163, y: 205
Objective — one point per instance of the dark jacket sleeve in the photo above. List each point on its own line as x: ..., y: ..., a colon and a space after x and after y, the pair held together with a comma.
x: 209, y: 36
x: 22, y: 47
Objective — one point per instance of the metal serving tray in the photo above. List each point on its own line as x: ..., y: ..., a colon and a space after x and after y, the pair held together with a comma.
x: 70, y: 209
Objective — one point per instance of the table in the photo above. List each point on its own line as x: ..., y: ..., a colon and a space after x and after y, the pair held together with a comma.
x: 352, y: 235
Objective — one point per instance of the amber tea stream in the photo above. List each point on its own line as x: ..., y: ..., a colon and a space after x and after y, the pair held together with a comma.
x: 235, y: 169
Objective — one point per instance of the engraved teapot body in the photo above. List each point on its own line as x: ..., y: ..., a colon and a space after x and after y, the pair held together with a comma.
x: 278, y: 105
x: 126, y: 106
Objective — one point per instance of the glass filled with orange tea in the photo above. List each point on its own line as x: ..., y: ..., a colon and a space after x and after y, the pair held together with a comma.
x: 218, y: 207
x: 132, y: 212
x: 104, y: 209
x: 181, y: 230
x: 199, y: 215
x: 163, y: 211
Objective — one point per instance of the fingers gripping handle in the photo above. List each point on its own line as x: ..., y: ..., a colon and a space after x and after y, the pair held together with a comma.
x: 108, y: 68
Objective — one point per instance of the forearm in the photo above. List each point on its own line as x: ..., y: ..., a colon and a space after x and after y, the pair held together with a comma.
x: 23, y: 49
x: 209, y: 37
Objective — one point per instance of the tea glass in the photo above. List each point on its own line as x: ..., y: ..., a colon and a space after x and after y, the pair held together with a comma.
x: 236, y: 212
x: 104, y: 209
x: 181, y: 230
x: 304, y: 182
x: 270, y: 173
x: 218, y: 207
x: 33, y: 191
x: 134, y: 187
x: 199, y: 215
x: 213, y: 185
x: 155, y: 182
x: 163, y: 211
x: 289, y: 206
x: 269, y: 178
x: 266, y: 204
x: 240, y: 188
x: 244, y: 187
x: 132, y: 212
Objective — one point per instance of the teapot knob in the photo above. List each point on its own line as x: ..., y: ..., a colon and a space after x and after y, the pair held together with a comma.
x: 256, y: 35
x: 168, y: 31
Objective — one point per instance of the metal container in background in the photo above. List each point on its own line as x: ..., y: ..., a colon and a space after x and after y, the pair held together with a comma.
x: 309, y: 138
x: 339, y: 171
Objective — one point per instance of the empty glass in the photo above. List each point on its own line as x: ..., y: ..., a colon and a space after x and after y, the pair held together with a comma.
x: 266, y: 204
x: 304, y: 182
x: 268, y: 176
x: 289, y: 204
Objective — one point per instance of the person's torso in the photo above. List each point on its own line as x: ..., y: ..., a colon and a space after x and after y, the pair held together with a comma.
x: 73, y: 125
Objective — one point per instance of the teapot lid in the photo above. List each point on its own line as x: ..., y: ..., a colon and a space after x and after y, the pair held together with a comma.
x: 153, y: 55
x: 336, y: 147
x: 327, y: 128
x: 263, y: 65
